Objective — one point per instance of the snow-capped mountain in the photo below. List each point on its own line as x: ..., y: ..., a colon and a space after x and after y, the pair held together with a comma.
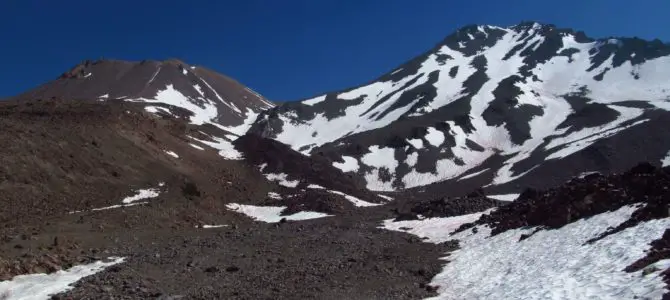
x: 527, y: 105
x: 206, y: 96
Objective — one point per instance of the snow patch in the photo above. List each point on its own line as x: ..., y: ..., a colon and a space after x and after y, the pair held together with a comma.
x: 379, y: 158
x: 282, y: 179
x: 273, y: 195
x: 213, y: 226
x: 435, y: 137
x: 203, y: 113
x: 416, y: 143
x: 666, y: 161
x: 315, y: 186
x: 473, y: 174
x: 226, y: 148
x: 313, y: 101
x: 141, y: 194
x: 171, y: 153
x: 504, y: 197
x: 199, y: 90
x: 357, y: 202
x: 350, y: 164
x: 42, y: 286
x: 196, y: 146
x: 436, y: 230
x: 387, y: 198
x: 271, y: 214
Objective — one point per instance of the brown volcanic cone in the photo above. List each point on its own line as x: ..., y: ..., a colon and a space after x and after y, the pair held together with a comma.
x: 116, y: 79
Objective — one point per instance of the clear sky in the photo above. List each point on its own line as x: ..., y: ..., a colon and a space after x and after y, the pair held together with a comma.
x: 284, y: 49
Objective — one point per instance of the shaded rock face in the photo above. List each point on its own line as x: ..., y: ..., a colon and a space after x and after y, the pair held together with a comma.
x: 528, y: 105
x: 214, y: 97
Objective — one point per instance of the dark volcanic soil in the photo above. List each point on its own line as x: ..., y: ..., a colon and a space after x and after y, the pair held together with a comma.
x: 60, y: 156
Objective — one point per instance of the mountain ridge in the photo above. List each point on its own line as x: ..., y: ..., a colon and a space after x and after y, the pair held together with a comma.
x: 482, y: 80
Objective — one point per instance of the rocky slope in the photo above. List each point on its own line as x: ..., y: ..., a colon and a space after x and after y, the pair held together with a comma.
x: 505, y: 108
x: 85, y: 181
x: 207, y: 96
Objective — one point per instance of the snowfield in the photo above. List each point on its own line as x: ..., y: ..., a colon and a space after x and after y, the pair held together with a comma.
x: 550, y: 264
x: 42, y: 286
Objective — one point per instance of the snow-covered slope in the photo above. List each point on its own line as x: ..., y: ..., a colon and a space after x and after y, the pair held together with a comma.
x: 596, y: 237
x: 491, y: 106
x: 525, y: 269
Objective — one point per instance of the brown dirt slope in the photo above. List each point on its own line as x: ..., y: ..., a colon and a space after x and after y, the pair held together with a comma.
x: 60, y: 156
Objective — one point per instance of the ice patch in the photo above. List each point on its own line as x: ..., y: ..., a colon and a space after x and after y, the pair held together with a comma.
x: 350, y: 164
x: 282, y: 179
x: 505, y: 197
x: 43, y: 286
x: 88, y: 75
x: 171, y: 153
x: 105, y: 96
x: 553, y: 264
x: 271, y: 214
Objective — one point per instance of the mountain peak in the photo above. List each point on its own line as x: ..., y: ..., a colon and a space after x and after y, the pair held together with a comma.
x: 487, y: 102
x: 209, y: 96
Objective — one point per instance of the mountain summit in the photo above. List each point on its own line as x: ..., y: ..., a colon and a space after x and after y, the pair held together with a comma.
x: 529, y: 105
x: 207, y: 96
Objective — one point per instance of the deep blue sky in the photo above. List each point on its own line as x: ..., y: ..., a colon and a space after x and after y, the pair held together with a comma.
x: 284, y: 49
